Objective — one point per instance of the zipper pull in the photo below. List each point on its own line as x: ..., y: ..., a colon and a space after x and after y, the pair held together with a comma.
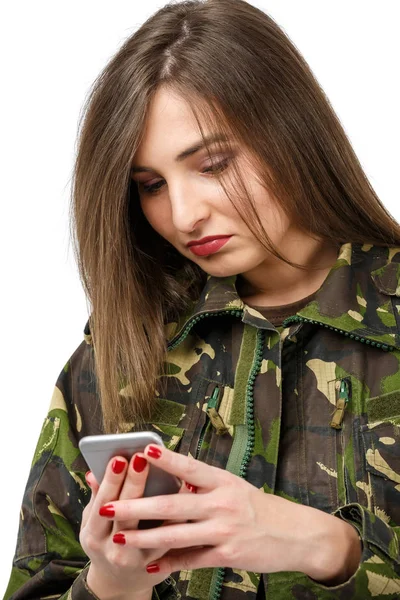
x: 214, y: 415
x: 338, y: 415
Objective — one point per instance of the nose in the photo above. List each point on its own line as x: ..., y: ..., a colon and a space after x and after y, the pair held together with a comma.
x: 188, y: 207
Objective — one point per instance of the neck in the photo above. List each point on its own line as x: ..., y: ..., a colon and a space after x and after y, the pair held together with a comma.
x: 275, y: 283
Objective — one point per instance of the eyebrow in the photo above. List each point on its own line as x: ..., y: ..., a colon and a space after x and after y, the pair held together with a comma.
x: 210, y: 139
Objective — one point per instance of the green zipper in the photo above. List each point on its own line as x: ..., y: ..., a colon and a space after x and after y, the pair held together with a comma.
x: 352, y: 336
x: 218, y: 581
x: 229, y: 311
x: 344, y: 393
x: 200, y: 442
x: 250, y: 402
x: 293, y: 319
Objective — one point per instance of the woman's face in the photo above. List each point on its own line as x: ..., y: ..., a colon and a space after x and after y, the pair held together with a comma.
x: 184, y: 202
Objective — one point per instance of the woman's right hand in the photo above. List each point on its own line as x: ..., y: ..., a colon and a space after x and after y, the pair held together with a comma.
x: 116, y: 571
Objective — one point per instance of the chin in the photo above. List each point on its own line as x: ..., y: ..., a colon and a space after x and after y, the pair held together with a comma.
x: 220, y: 270
x: 226, y: 265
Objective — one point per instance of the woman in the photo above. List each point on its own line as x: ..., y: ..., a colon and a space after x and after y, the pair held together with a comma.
x: 244, y: 281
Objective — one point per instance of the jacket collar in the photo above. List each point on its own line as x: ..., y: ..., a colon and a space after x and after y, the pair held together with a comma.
x: 355, y: 298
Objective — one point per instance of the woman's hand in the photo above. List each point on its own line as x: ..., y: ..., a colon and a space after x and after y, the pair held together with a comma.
x: 116, y: 571
x: 228, y: 523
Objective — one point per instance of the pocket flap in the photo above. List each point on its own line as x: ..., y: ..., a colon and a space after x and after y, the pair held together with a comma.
x: 385, y: 406
x: 167, y: 412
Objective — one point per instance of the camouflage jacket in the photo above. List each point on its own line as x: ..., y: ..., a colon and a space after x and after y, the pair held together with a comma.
x: 310, y: 412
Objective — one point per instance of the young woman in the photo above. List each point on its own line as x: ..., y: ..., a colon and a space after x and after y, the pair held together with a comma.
x: 244, y: 281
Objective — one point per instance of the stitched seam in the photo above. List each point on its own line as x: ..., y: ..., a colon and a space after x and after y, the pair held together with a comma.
x: 299, y: 400
x: 241, y: 586
x: 215, y: 381
x: 302, y: 432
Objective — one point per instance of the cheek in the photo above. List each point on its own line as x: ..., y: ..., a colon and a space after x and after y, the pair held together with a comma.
x: 158, y: 215
x: 272, y: 216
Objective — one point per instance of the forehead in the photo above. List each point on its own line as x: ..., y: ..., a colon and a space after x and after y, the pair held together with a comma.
x: 171, y: 127
x: 169, y: 120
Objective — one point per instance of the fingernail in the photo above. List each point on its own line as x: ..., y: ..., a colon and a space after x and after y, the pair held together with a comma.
x: 154, y: 452
x: 153, y: 568
x: 139, y: 463
x: 118, y: 466
x: 107, y: 511
x: 119, y: 538
x: 191, y: 487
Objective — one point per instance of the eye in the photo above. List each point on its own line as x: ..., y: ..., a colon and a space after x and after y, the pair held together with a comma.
x: 214, y: 168
x: 217, y: 167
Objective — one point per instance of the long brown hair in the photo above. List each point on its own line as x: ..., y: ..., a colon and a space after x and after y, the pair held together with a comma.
x: 244, y: 78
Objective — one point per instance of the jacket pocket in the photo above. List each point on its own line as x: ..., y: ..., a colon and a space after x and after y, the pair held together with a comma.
x: 381, y: 443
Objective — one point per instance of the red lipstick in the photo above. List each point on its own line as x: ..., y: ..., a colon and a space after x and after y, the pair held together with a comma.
x: 208, y: 245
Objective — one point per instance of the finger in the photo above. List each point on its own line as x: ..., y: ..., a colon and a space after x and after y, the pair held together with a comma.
x: 192, y: 489
x: 133, y: 487
x: 168, y: 507
x: 135, y: 478
x: 108, y: 492
x: 184, y: 489
x: 167, y: 537
x: 188, y: 559
x: 187, y: 468
x: 92, y: 482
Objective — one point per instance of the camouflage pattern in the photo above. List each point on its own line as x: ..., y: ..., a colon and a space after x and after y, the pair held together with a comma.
x: 315, y: 404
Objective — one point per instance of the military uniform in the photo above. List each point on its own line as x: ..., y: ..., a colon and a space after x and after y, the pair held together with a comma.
x: 309, y: 410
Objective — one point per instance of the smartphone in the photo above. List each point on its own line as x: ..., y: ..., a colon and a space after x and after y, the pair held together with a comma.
x: 97, y: 450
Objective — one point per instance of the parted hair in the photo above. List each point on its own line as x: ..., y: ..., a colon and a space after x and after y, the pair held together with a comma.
x: 242, y: 77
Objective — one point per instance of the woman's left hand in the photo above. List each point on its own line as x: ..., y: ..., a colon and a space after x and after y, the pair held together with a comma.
x: 233, y: 524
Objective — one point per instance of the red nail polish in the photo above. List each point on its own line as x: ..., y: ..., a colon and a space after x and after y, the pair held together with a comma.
x: 139, y: 463
x: 154, y: 452
x: 119, y: 538
x: 153, y: 568
x: 191, y: 487
x: 107, y: 511
x: 118, y: 466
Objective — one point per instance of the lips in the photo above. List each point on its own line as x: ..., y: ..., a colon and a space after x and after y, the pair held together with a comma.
x: 208, y: 245
x: 208, y: 238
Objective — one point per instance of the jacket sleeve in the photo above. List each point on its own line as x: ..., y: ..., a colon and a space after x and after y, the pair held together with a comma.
x: 378, y: 574
x: 49, y: 561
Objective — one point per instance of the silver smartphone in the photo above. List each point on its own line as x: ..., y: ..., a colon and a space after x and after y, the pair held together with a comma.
x: 97, y: 450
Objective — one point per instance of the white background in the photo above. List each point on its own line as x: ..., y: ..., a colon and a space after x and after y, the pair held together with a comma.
x: 50, y: 55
